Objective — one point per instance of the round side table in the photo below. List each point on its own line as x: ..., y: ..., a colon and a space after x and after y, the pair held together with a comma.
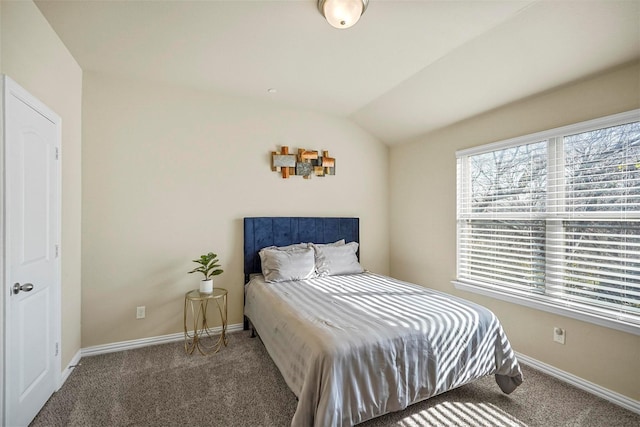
x: 197, y: 303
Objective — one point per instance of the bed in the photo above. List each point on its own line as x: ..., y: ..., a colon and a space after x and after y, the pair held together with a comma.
x: 355, y: 346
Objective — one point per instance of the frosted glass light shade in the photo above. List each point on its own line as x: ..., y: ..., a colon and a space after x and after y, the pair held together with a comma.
x: 342, y: 13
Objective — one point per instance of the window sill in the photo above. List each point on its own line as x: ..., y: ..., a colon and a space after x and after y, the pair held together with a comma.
x: 550, y: 307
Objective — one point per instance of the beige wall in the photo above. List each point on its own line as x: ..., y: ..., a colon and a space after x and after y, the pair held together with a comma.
x: 33, y: 56
x: 423, y: 226
x: 169, y: 173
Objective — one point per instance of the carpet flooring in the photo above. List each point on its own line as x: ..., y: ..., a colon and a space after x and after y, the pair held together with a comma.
x: 240, y: 386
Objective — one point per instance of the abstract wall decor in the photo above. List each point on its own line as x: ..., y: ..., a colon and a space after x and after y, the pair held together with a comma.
x: 306, y: 163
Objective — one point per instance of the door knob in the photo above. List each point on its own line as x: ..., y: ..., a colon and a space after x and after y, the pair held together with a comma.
x: 26, y: 287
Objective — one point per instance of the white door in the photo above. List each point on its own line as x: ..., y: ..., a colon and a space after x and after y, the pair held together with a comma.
x: 32, y: 263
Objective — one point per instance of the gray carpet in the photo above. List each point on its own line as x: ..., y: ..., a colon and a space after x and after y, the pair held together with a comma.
x: 240, y: 386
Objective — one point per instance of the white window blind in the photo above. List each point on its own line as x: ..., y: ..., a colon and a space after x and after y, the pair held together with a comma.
x: 555, y: 217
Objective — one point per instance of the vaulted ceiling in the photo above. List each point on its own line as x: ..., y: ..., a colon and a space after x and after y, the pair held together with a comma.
x: 407, y: 68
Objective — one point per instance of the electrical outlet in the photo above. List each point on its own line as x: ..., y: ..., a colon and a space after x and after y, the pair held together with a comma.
x: 559, y: 335
x: 140, y: 312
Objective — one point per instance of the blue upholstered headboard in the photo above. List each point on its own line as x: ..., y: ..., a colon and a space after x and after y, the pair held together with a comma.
x: 260, y: 232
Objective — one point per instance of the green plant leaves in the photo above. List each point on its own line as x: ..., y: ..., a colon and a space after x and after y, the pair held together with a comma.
x: 208, y: 265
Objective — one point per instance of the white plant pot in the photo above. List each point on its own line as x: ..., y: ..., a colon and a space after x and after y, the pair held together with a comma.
x: 206, y: 286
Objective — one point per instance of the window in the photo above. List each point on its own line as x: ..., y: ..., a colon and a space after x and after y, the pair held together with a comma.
x: 552, y: 221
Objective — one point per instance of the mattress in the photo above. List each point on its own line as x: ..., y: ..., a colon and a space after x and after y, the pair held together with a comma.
x: 355, y: 347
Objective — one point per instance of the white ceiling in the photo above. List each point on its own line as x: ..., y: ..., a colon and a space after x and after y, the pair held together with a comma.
x: 407, y: 68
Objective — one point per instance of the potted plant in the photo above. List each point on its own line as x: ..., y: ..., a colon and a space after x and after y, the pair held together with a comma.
x: 208, y: 266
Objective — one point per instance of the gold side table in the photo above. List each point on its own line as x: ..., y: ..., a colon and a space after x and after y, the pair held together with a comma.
x: 197, y: 303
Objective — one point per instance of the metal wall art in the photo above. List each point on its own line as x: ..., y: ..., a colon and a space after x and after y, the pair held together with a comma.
x: 306, y: 163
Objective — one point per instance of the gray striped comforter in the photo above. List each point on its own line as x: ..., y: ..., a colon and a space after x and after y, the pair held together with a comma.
x: 355, y: 347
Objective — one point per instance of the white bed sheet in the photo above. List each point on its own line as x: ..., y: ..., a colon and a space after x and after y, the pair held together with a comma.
x: 355, y: 347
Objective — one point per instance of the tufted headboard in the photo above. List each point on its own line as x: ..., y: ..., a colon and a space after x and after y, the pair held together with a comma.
x: 260, y: 232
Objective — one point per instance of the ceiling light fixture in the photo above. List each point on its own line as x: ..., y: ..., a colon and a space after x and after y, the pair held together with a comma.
x: 342, y: 13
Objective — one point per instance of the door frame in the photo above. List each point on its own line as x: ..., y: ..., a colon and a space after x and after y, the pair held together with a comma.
x: 9, y: 86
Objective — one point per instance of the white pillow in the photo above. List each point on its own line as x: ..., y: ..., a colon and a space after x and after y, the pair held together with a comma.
x: 332, y: 260
x: 315, y: 246
x: 289, y: 247
x: 340, y: 242
x: 293, y: 264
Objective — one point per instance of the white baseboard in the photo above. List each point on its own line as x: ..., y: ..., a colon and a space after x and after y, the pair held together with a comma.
x: 67, y: 371
x: 144, y: 342
x: 611, y: 396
